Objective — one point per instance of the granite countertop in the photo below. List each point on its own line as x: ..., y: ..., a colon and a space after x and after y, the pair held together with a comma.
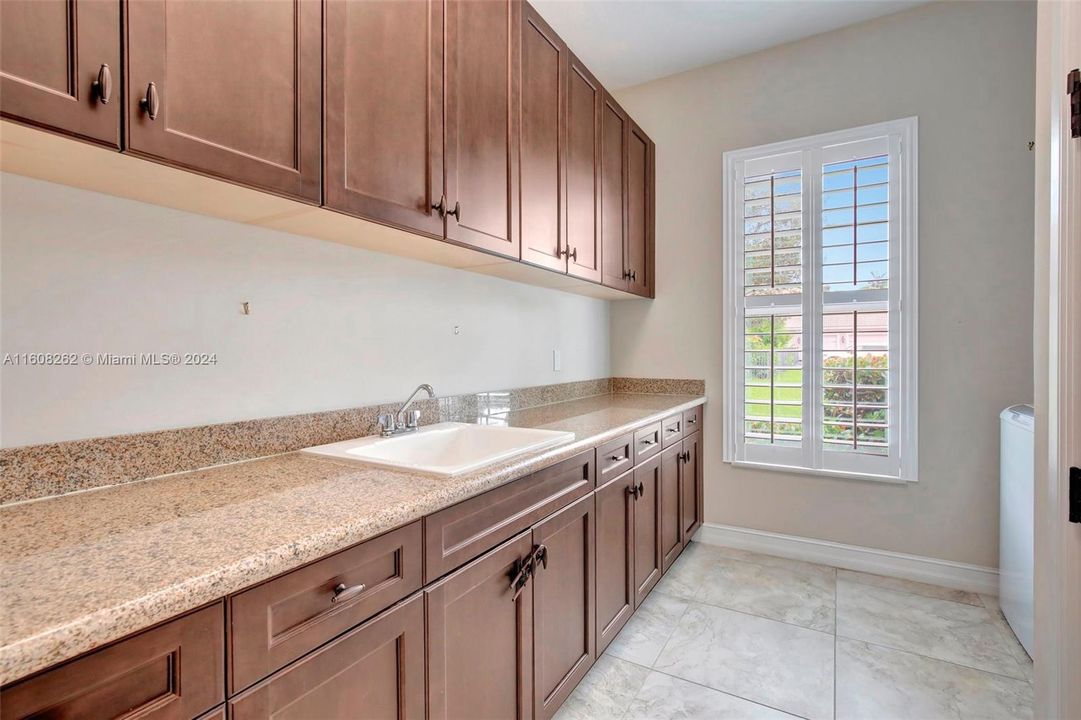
x: 80, y: 570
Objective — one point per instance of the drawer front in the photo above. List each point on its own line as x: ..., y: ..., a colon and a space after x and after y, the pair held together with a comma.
x: 614, y: 458
x: 284, y: 618
x: 672, y: 430
x: 462, y: 532
x: 373, y: 671
x: 647, y: 442
x: 692, y: 420
x: 142, y: 676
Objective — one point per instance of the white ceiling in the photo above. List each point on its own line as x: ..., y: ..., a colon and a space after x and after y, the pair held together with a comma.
x: 626, y: 42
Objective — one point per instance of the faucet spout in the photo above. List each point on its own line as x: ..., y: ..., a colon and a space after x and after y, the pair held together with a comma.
x: 400, y: 415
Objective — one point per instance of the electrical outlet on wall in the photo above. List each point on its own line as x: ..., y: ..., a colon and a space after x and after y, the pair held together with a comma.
x: 557, y: 362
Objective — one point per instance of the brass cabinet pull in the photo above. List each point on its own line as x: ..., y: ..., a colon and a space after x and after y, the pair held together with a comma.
x: 692, y: 421
x: 685, y: 456
x: 151, y: 104
x: 441, y: 206
x: 613, y: 458
x: 457, y: 212
x: 641, y: 489
x: 103, y: 86
x: 672, y: 429
x: 342, y: 592
x: 568, y: 253
x: 647, y: 442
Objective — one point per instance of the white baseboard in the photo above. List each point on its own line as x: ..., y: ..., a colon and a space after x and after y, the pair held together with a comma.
x: 961, y: 576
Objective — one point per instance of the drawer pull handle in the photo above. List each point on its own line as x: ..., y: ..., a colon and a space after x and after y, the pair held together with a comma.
x: 672, y: 429
x: 692, y: 421
x: 342, y: 592
x: 648, y: 442
x: 150, y: 104
x: 614, y: 458
x: 103, y: 86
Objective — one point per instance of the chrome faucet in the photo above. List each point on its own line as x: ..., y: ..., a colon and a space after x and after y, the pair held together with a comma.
x: 400, y: 422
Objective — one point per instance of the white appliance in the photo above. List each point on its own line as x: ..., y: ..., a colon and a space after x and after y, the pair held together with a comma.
x: 1016, y: 526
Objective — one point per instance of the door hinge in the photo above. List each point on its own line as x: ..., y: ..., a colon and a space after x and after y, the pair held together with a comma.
x: 1075, y: 495
x: 1073, y: 89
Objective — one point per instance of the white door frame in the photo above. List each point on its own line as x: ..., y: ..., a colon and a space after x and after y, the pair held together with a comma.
x: 1058, y: 366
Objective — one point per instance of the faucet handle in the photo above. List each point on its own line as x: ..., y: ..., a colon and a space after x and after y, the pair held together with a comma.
x: 386, y: 424
x: 412, y: 419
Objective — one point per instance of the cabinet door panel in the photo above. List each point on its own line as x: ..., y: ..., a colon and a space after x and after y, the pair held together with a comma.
x: 480, y: 640
x: 482, y: 55
x: 51, y: 54
x: 172, y: 672
x: 671, y: 528
x: 691, y: 483
x: 639, y: 211
x: 563, y: 605
x: 615, y: 557
x: 542, y: 171
x: 613, y: 195
x: 374, y: 671
x: 583, y: 236
x: 647, y: 528
x: 238, y: 87
x: 384, y: 111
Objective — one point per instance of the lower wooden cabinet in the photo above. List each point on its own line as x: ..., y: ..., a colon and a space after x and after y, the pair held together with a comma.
x: 373, y: 671
x: 690, y: 479
x: 647, y: 526
x: 142, y: 676
x: 480, y: 639
x: 671, y: 524
x: 564, y: 639
x: 615, y: 557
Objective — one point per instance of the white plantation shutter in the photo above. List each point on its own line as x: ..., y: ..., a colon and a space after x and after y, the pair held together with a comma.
x: 820, y: 248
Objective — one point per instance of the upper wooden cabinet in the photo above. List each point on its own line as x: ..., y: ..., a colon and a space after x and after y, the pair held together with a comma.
x: 639, y: 209
x: 383, y: 112
x: 228, y: 87
x: 60, y: 66
x: 614, y: 271
x: 583, y: 196
x: 481, y: 124
x: 542, y: 188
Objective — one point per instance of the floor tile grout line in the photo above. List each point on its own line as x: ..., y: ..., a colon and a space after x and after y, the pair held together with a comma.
x: 929, y: 657
x: 707, y: 687
x: 762, y: 617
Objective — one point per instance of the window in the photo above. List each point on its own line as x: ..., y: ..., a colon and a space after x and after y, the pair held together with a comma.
x: 820, y: 323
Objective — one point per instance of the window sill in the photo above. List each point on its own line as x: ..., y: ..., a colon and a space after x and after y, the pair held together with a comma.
x: 837, y: 474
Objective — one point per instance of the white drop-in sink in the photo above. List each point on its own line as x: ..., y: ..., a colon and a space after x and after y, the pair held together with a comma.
x: 448, y: 448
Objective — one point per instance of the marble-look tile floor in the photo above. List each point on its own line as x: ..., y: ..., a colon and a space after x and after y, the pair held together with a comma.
x: 733, y: 634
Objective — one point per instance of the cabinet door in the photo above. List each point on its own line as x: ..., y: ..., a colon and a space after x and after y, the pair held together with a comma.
x: 172, y: 672
x: 52, y: 55
x: 482, y: 56
x: 373, y: 671
x: 583, y: 215
x: 691, y: 484
x: 647, y: 528
x: 615, y: 557
x: 639, y: 252
x: 542, y: 172
x: 564, y: 638
x: 480, y: 641
x: 383, y: 158
x: 613, y: 195
x: 671, y: 527
x: 228, y: 87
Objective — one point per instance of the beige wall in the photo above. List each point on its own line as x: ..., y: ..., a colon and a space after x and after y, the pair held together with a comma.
x: 331, y: 326
x: 967, y: 71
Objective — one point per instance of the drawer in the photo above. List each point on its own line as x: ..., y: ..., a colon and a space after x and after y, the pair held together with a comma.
x: 142, y: 676
x: 692, y: 420
x: 284, y: 618
x: 461, y: 532
x: 647, y: 442
x: 614, y: 458
x: 671, y: 430
x: 375, y: 670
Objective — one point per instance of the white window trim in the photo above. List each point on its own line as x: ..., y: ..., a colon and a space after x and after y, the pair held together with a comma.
x: 903, y: 296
